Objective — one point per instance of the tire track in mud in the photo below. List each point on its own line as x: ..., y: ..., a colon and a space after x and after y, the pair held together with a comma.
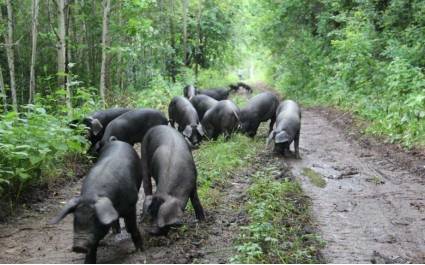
x: 371, y: 209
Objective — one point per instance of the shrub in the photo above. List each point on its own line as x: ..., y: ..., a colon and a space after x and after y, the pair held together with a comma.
x: 33, y: 144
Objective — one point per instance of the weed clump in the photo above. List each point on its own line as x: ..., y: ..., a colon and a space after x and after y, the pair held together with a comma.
x: 279, y: 227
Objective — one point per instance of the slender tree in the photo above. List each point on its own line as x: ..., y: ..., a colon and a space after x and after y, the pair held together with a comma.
x: 34, y: 33
x: 3, y: 90
x: 185, y: 48
x: 105, y: 42
x: 172, y: 60
x: 62, y: 6
x: 10, y: 53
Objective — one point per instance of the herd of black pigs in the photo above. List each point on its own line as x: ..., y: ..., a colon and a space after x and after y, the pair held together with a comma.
x: 110, y: 189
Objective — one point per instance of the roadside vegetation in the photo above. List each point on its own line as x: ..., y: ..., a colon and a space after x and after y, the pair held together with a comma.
x: 365, y: 57
x: 280, y: 228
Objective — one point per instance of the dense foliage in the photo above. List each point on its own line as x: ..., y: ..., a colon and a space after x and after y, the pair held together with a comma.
x: 153, y: 49
x: 364, y: 55
x: 33, y: 146
x: 146, y: 39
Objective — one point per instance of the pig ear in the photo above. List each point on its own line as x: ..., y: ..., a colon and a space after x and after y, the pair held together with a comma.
x: 281, y: 137
x: 200, y: 130
x: 97, y: 147
x: 146, y: 204
x: 187, y: 131
x: 96, y: 126
x: 154, y: 206
x: 105, y: 211
x: 169, y: 213
x: 188, y: 143
x: 69, y: 208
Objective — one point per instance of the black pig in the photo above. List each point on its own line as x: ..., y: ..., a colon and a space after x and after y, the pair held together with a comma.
x: 287, y: 129
x: 202, y: 103
x: 110, y: 191
x: 189, y: 91
x: 260, y: 108
x: 223, y: 118
x: 167, y: 158
x: 218, y: 93
x: 97, y: 122
x: 182, y: 112
x: 132, y: 126
x: 239, y: 87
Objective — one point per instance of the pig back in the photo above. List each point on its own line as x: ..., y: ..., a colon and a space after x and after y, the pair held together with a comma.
x: 202, y: 103
x: 106, y: 116
x: 116, y: 175
x: 133, y: 125
x: 182, y: 111
x: 170, y: 161
x: 288, y: 117
x: 261, y: 107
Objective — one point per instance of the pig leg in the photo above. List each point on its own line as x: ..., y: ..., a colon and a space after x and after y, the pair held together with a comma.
x: 272, y: 121
x: 146, y: 178
x: 296, y: 145
x: 172, y: 123
x: 196, y: 203
x: 116, y: 228
x: 131, y: 226
x: 91, y: 255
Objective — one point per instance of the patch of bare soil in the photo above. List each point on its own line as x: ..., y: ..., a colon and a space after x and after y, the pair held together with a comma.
x: 371, y: 206
x: 33, y: 196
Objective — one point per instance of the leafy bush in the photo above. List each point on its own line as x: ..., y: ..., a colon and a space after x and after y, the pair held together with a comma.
x: 33, y: 144
x: 213, y: 78
x: 158, y: 96
x: 361, y: 56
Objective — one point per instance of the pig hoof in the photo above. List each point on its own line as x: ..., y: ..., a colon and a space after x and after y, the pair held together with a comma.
x: 139, y: 246
x: 200, y: 217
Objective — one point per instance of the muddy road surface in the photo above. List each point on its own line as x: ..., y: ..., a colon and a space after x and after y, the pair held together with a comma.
x: 28, y: 238
x: 367, y: 201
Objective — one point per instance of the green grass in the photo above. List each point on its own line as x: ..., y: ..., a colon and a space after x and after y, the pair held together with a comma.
x: 315, y: 178
x: 216, y: 161
x: 279, y: 214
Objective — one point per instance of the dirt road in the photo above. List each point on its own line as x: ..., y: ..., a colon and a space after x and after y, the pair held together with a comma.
x: 368, y: 208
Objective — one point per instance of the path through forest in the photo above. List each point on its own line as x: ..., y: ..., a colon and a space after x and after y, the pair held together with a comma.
x: 368, y: 204
x: 369, y: 207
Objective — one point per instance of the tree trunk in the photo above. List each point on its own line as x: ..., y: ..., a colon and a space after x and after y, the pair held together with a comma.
x: 34, y: 33
x: 105, y: 42
x: 3, y: 90
x: 172, y: 60
x: 62, y: 52
x: 185, y: 48
x: 199, y: 32
x: 10, y: 54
